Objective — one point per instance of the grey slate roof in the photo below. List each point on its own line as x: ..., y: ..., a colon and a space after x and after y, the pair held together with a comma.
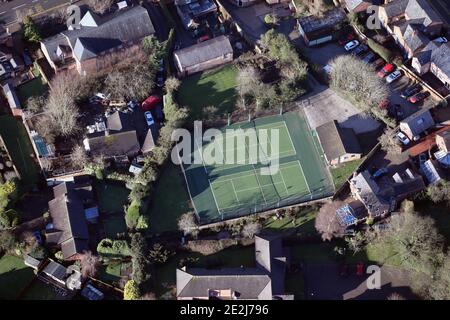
x: 419, y: 121
x: 421, y: 9
x: 337, y: 141
x: 395, y: 8
x: 263, y: 282
x: 441, y: 58
x: 11, y: 96
x: 69, y: 223
x: 204, y: 51
x: 369, y: 192
x: 424, y: 56
x: 413, y: 37
x: 113, y: 30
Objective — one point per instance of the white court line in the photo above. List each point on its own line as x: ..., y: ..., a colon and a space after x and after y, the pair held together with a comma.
x: 262, y: 192
x: 19, y: 6
x: 266, y: 185
x: 214, y: 196
x: 289, y: 135
x: 201, y: 156
x: 240, y: 174
x: 281, y: 173
x: 234, y: 189
x: 304, y: 177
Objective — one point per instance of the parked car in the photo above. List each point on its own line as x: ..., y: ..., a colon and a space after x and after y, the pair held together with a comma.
x: 328, y: 69
x: 403, y: 138
x: 347, y: 38
x: 380, y: 172
x: 441, y: 40
x: 360, y: 49
x: 351, y: 45
x: 161, y: 65
x: 149, y: 118
x: 423, y: 157
x: 418, y: 97
x: 343, y: 270
x: 397, y: 74
x: 360, y: 269
x: 368, y: 58
x: 160, y: 79
x: 387, y: 69
x: 411, y: 90
x: 203, y: 38
x: 384, y: 104
x: 377, y: 64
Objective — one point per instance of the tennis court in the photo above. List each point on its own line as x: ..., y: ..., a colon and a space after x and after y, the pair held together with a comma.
x: 237, y: 185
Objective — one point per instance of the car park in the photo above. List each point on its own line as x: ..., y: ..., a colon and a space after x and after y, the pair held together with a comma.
x: 411, y: 90
x: 160, y: 79
x: 387, y: 69
x: 351, y: 45
x: 418, y: 97
x: 362, y: 48
x: 393, y: 76
x: 347, y: 38
x: 368, y: 58
x: 403, y: 138
x: 149, y: 118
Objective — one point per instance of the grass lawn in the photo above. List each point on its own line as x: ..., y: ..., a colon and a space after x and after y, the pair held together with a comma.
x: 214, y: 88
x: 40, y: 291
x: 110, y: 273
x: 19, y: 146
x: 341, y: 173
x: 35, y: 87
x: 111, y: 197
x: 303, y: 223
x: 171, y: 200
x: 228, y: 258
x: 14, y: 276
x: 114, y: 225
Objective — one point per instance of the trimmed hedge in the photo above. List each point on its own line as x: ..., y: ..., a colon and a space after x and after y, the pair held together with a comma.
x: 113, y: 248
x: 383, y: 52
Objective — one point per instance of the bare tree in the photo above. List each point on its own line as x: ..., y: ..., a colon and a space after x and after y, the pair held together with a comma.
x: 188, y: 224
x: 89, y: 264
x: 100, y: 6
x: 354, y: 77
x: 389, y: 142
x: 60, y: 110
x: 172, y: 84
x: 327, y: 222
x: 395, y: 296
x: 79, y: 158
x: 248, y: 80
x: 250, y: 229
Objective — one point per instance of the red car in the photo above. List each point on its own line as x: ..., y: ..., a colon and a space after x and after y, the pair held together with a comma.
x: 359, y: 269
x: 347, y: 38
x: 419, y: 97
x: 384, y: 104
x: 387, y: 69
x: 203, y: 38
x: 150, y: 103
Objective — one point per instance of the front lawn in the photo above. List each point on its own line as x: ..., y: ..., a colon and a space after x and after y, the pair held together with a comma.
x: 343, y: 172
x: 32, y: 88
x: 170, y: 201
x: 19, y: 146
x: 213, y: 88
x: 303, y: 222
x: 14, y: 276
x: 111, y: 197
x: 40, y: 291
x: 114, y: 225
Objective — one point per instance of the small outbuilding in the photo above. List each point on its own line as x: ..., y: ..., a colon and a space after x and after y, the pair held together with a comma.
x: 203, y: 56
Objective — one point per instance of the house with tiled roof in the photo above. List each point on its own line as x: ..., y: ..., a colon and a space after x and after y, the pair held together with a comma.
x: 263, y: 282
x: 98, y: 41
x: 434, y: 58
x: 412, y: 23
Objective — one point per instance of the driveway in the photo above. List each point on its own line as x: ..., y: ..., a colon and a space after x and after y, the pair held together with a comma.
x: 323, y: 282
